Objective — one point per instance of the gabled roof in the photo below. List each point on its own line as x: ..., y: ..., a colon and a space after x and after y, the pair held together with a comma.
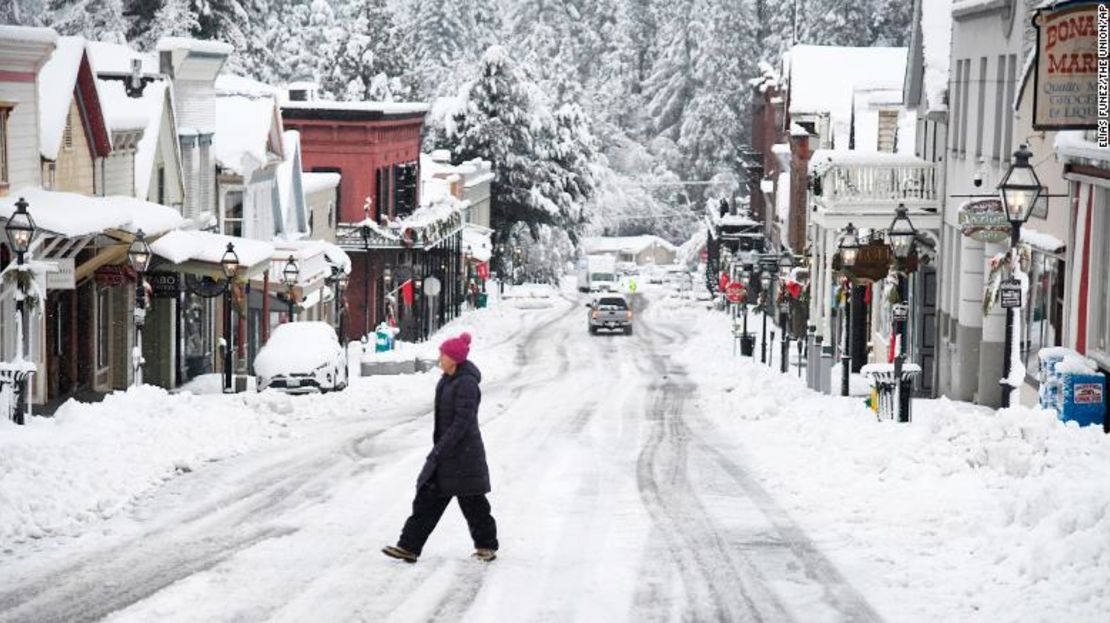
x: 290, y: 187
x: 248, y: 125
x: 148, y: 112
x: 68, y: 75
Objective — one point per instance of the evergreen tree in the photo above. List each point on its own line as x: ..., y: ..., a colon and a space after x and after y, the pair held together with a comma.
x: 370, y: 62
x: 98, y: 20
x: 23, y: 12
x: 175, y: 18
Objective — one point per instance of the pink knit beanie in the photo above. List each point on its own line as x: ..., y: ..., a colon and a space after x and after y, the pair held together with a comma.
x: 457, y: 348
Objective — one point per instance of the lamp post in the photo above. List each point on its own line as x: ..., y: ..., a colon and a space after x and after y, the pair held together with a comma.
x: 786, y: 262
x: 746, y: 279
x: 418, y: 288
x: 365, y: 232
x: 765, y: 287
x: 21, y: 232
x: 1019, y: 191
x: 230, y: 265
x: 517, y: 276
x: 342, y: 280
x: 138, y: 255
x: 900, y: 237
x: 290, y: 275
x: 849, y: 250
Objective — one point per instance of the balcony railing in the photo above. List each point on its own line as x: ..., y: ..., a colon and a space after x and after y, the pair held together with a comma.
x: 876, y: 183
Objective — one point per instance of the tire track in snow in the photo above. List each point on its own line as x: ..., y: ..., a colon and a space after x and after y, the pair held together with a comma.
x: 836, y: 592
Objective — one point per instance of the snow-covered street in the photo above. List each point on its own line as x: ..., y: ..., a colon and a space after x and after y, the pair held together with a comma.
x: 626, y: 485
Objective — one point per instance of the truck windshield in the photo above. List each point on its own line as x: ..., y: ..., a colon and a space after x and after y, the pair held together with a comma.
x: 611, y: 303
x: 602, y: 277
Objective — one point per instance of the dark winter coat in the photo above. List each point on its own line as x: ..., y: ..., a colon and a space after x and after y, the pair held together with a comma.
x: 459, y: 456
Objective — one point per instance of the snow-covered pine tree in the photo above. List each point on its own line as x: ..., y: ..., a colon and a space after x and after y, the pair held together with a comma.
x: 671, y: 85
x: 23, y: 12
x: 175, y: 18
x: 435, y: 32
x: 99, y: 20
x: 370, y: 60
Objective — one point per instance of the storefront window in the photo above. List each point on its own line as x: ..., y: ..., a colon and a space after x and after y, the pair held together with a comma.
x: 1043, y: 320
x: 1098, y: 344
x: 233, y: 213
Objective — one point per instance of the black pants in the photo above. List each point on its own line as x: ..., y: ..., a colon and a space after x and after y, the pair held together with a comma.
x: 428, y: 507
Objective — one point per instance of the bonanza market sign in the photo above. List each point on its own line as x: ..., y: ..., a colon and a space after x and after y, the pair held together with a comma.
x: 1065, y: 94
x: 984, y: 220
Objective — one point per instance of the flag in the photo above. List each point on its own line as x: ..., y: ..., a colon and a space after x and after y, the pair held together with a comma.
x: 406, y: 292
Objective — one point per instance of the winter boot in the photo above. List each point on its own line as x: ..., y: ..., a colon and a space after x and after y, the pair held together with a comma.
x: 484, y: 555
x: 399, y: 553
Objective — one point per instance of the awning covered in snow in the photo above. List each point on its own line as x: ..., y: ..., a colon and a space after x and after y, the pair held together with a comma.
x: 200, y: 252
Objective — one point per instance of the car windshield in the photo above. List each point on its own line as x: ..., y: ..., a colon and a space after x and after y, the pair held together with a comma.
x: 611, y: 303
x: 603, y: 277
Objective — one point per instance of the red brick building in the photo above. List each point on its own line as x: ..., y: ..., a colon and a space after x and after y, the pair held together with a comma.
x: 375, y: 148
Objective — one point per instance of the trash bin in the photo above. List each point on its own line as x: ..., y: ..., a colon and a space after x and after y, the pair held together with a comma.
x: 891, y: 395
x: 383, y: 339
x: 747, y: 344
x: 483, y: 300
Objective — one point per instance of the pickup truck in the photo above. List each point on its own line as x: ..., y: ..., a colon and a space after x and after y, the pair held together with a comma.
x: 610, y: 313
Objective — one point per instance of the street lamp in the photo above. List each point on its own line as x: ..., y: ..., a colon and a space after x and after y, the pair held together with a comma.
x: 365, y: 232
x: 342, y: 280
x: 786, y: 263
x: 765, y: 283
x: 20, y: 229
x: 901, y: 236
x: 290, y: 275
x: 138, y: 255
x: 1019, y: 190
x: 230, y: 265
x: 849, y: 251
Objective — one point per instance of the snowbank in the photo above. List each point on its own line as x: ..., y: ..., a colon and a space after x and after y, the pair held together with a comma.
x: 964, y: 514
x: 91, y: 461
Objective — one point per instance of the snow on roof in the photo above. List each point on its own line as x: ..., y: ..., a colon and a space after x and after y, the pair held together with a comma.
x: 298, y: 249
x: 243, y: 127
x: 73, y: 215
x: 823, y: 79
x: 629, y: 244
x: 936, y: 34
x: 314, y: 182
x: 337, y: 256
x: 797, y: 130
x: 382, y: 107
x: 116, y: 58
x: 428, y: 213
x: 1042, y: 241
x: 27, y: 34
x: 290, y: 191
x: 145, y: 112
x: 231, y: 84
x: 202, y: 46
x: 1074, y: 145
x: 477, y: 241
x: 823, y: 159
x: 148, y: 216
x: 57, y: 79
x: 181, y: 246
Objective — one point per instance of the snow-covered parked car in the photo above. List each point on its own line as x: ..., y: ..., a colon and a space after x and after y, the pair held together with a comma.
x: 302, y: 357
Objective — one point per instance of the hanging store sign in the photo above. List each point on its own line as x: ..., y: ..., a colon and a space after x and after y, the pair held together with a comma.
x: 1010, y: 293
x: 984, y: 220
x: 164, y: 285
x: 483, y: 270
x: 63, y: 276
x: 901, y: 312
x: 873, y: 262
x: 1066, y: 90
x: 111, y: 275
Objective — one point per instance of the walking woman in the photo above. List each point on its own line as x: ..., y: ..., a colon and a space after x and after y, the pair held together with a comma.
x: 456, y: 466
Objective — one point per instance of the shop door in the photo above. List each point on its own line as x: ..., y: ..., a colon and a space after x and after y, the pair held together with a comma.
x: 925, y: 333
x: 61, y: 369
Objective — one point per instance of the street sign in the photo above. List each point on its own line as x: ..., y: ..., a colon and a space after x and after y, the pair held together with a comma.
x: 164, y: 285
x: 735, y: 292
x: 901, y: 312
x: 63, y: 277
x: 432, y: 286
x: 1010, y: 293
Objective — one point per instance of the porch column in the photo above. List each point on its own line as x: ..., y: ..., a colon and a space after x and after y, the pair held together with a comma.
x: 991, y: 348
x: 969, y: 328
